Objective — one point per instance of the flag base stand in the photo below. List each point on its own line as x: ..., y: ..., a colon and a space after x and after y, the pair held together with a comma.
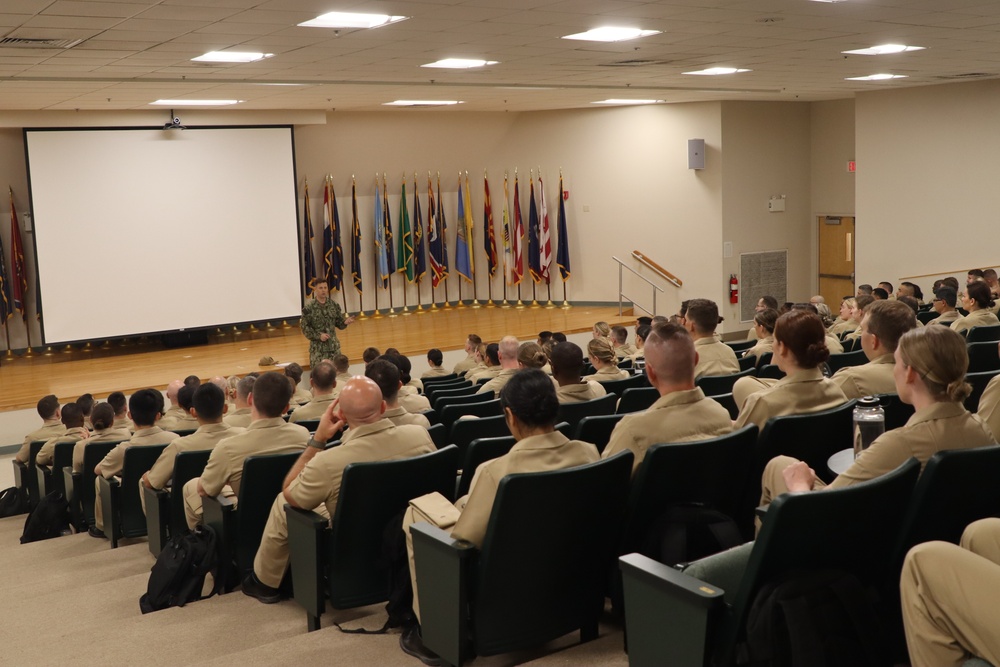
x: 106, y: 345
x: 434, y: 306
x: 269, y: 326
x: 49, y: 351
x: 10, y: 353
x: 476, y: 304
x: 505, y: 304
x: 490, y: 304
x: 237, y: 332
x: 447, y: 306
x: 460, y: 304
x: 218, y: 334
x: 405, y: 311
x: 376, y: 315
x: 392, y: 312
x: 28, y: 353
x: 549, y: 304
x: 419, y: 310
x: 68, y: 349
x: 362, y: 316
x: 565, y: 305
x: 285, y: 324
x: 520, y: 305
x: 535, y: 304
x: 87, y: 348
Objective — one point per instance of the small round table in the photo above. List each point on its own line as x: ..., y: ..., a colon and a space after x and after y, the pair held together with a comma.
x: 841, y: 461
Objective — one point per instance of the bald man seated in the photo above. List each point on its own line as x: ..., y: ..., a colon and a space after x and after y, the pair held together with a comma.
x: 567, y: 374
x: 682, y: 413
x: 178, y: 416
x: 314, y: 481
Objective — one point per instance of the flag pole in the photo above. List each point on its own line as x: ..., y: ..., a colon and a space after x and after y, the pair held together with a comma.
x: 472, y: 246
x: 506, y: 229
x: 565, y: 303
x: 460, y: 304
x: 402, y: 206
x: 420, y: 305
x: 6, y: 330
x: 385, y: 221
x: 534, y: 283
x: 548, y: 280
x: 378, y: 276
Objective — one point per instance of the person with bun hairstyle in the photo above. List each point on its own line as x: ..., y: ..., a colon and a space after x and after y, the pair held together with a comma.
x: 602, y: 330
x: 929, y: 371
x: 106, y: 429
x: 843, y: 323
x: 977, y: 301
x: 799, y: 350
x: 434, y: 359
x: 763, y: 324
x: 604, y: 360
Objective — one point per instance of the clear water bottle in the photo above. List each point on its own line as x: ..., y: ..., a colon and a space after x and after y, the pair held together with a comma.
x: 869, y: 423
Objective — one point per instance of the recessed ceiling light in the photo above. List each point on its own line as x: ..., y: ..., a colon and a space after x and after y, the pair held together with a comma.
x: 828, y: 1
x: 610, y: 34
x: 231, y: 57
x: 460, y: 63
x: 614, y: 101
x: 875, y: 77
x: 716, y: 71
x: 420, y: 103
x: 351, y: 20
x: 194, y: 103
x: 883, y: 49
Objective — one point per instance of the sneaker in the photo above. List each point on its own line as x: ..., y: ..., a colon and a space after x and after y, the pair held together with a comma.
x: 94, y: 531
x: 412, y: 643
x: 253, y: 587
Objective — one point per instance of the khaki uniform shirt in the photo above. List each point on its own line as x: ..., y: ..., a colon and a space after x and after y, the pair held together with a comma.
x: 415, y: 384
x: 537, y: 453
x: 752, y: 334
x: 206, y: 437
x: 989, y: 405
x: 239, y: 417
x: 153, y: 435
x: 608, y: 374
x: 637, y: 355
x: 319, y: 481
x: 977, y: 318
x: 342, y: 379
x: 434, y: 373
x: 124, y: 423
x: 796, y: 394
x: 841, y: 327
x: 112, y: 434
x: 301, y: 396
x: 47, y: 451
x: 680, y: 416
x: 487, y: 373
x: 465, y: 364
x: 833, y: 344
x: 50, y: 429
x: 763, y: 346
x: 940, y: 427
x: 947, y: 317
x: 177, y: 420
x: 579, y: 392
x: 498, y: 383
x: 869, y: 379
x: 715, y: 358
x: 314, y: 409
x: 412, y: 401
x: 855, y: 333
x: 478, y: 368
x: 264, y: 436
x: 624, y: 351
x: 400, y: 417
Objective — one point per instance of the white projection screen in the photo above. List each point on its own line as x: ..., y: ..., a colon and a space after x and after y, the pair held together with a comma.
x: 145, y: 230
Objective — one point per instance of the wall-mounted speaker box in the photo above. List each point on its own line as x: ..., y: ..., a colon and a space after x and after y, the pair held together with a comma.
x: 696, y: 153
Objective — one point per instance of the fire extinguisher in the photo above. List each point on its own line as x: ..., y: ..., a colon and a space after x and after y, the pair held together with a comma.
x: 734, y: 289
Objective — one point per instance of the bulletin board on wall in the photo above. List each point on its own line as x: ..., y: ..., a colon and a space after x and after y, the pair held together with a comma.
x: 762, y: 273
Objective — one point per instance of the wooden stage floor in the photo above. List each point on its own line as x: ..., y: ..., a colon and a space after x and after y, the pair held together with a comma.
x: 100, y: 371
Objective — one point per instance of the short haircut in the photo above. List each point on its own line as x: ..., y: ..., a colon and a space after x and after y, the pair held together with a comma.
x: 704, y: 314
x: 886, y: 285
x: 947, y: 294
x: 323, y: 376
x: 185, y: 397
x: 989, y: 274
x: 769, y: 301
x: 567, y: 360
x: 103, y: 416
x: 917, y: 292
x: 294, y: 371
x: 880, y: 293
x: 864, y: 301
x: 642, y: 331
x: 804, y: 335
x: 475, y: 340
x: 865, y: 288
x: 619, y: 334
x: 544, y: 336
x: 530, y: 396
x: 493, y: 354
x: 909, y: 301
x: 435, y: 357
x: 559, y: 337
x: 341, y: 363
x: 508, y: 347
x: 208, y: 401
x: 889, y: 320
x: 144, y: 405
x: 683, y: 309
x: 271, y: 393
x: 47, y: 406
x: 643, y: 319
x: 663, y: 319
x: 192, y: 381
x: 72, y: 415
x: 370, y: 354
x: 117, y: 402
x: 245, y: 386
x: 978, y: 273
x: 950, y: 281
x: 86, y: 403
x: 385, y: 374
x: 670, y: 353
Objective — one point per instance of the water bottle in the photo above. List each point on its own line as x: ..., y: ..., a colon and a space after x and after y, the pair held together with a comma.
x: 869, y: 423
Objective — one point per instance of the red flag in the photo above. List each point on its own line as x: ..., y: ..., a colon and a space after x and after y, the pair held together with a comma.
x: 489, y: 237
x: 516, y: 242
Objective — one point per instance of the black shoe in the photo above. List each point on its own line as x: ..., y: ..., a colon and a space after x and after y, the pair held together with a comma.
x: 253, y: 587
x: 94, y: 531
x: 412, y: 643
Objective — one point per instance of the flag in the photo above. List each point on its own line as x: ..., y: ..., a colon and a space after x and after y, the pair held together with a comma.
x: 562, y: 256
x: 404, y: 254
x: 333, y: 252
x: 534, y: 265
x: 489, y: 236
x: 517, y: 241
x: 309, y: 268
x: 381, y: 258
x: 390, y: 254
x: 418, y: 234
x: 6, y: 309
x: 355, y: 239
x: 544, y: 235
x: 507, y: 259
x: 437, y: 248
x: 463, y: 246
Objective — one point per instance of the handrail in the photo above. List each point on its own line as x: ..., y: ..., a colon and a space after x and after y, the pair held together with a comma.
x: 939, y: 273
x: 621, y: 294
x: 666, y: 275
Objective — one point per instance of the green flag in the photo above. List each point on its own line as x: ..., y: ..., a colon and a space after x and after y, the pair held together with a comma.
x: 404, y: 252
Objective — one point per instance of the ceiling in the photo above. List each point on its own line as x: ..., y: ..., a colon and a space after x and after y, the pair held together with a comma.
x: 136, y: 51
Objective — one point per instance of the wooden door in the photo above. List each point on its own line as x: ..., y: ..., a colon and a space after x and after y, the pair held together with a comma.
x: 836, y: 259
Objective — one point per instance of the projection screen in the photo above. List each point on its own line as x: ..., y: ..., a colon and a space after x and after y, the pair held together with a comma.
x: 142, y: 231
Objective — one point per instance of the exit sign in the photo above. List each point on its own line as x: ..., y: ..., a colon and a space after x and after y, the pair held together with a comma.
x: 852, y: 166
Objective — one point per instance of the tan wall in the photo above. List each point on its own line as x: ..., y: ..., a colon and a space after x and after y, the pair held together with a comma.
x: 831, y: 147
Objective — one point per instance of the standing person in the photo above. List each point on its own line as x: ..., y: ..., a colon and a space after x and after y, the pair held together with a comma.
x: 320, y: 319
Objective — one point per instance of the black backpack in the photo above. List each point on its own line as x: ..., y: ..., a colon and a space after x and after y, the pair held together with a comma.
x: 49, y: 519
x: 818, y: 618
x: 684, y: 533
x: 178, y: 575
x: 13, y: 501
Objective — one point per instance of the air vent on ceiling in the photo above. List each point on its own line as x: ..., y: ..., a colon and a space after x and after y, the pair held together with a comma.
x: 769, y: 19
x: 635, y: 62
x: 37, y: 43
x: 966, y: 75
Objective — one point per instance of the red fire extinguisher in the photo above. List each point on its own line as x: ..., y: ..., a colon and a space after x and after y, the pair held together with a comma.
x: 734, y: 289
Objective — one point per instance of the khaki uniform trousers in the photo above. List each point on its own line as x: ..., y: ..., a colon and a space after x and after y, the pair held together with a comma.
x: 435, y: 510
x: 949, y: 595
x: 192, y: 501
x: 271, y: 560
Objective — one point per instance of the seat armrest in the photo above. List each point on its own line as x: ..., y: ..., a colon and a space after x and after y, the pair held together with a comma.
x: 669, y: 615
x: 20, y: 470
x: 157, y: 504
x: 108, y: 490
x: 307, y: 539
x: 444, y: 568
x: 220, y: 512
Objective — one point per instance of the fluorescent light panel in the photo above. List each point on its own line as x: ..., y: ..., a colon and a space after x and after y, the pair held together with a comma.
x: 617, y: 101
x: 611, y: 34
x: 460, y: 63
x: 718, y: 71
x: 231, y: 57
x: 876, y: 77
x: 420, y: 103
x: 883, y: 49
x: 351, y: 20
x: 194, y: 103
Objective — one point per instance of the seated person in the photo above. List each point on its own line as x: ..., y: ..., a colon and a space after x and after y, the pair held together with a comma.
x: 605, y: 362
x: 843, y: 323
x: 472, y: 343
x: 267, y: 434
x: 978, y: 302
x: 434, y: 359
x: 910, y: 289
x: 949, y: 595
x: 507, y: 351
x: 313, y: 483
x: 602, y: 330
x: 881, y: 294
x: 832, y: 342
x: 175, y: 411
x: 887, y: 288
x: 208, y: 406
x: 763, y: 322
x: 72, y: 418
x: 490, y: 355
x: 864, y: 289
x: 543, y: 338
x: 409, y: 398
x: 619, y: 336
x: 530, y: 407
x: 180, y: 418
x: 799, y: 351
x: 558, y: 337
x: 763, y: 303
x: 301, y: 395
x: 478, y: 355
x: 714, y: 356
x: 106, y: 429
x: 240, y: 417
x: 385, y: 375
x: 86, y: 405
x: 118, y: 403
x: 641, y: 334
x: 144, y: 409
x: 48, y: 410
x: 567, y: 365
x: 990, y: 278
x: 531, y: 355
x: 682, y: 413
x: 322, y: 382
x: 343, y: 367
x: 883, y: 324
x: 860, y: 303
x: 945, y: 300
